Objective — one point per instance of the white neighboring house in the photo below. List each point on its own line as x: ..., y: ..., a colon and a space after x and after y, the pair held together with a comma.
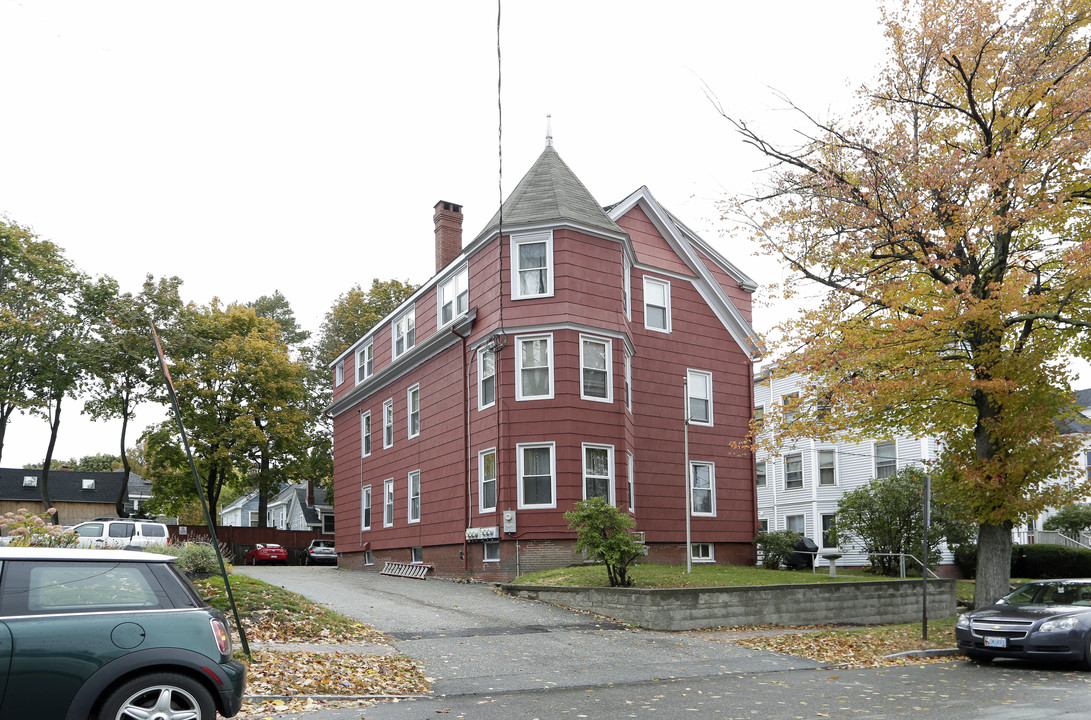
x: 287, y: 510
x: 1032, y: 532
x: 800, y: 486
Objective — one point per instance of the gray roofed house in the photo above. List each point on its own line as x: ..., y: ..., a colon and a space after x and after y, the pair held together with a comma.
x: 76, y: 495
x: 287, y: 510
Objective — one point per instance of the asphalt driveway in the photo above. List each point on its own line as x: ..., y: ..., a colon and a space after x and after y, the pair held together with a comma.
x: 472, y: 640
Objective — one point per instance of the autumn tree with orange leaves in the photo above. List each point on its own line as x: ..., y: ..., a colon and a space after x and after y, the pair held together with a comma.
x: 941, y: 236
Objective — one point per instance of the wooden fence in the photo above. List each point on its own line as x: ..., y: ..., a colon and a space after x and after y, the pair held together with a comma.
x: 241, y: 539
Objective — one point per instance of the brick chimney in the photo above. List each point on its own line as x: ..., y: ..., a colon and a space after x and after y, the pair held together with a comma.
x: 448, y: 219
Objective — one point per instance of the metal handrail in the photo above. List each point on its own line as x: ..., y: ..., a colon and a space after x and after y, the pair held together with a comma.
x: 903, y: 556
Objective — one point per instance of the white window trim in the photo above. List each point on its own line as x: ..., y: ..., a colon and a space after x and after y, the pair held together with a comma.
x: 631, y: 471
x: 667, y: 298
x: 552, y: 474
x: 609, y: 353
x: 388, y: 424
x: 784, y: 464
x: 795, y: 515
x: 627, y: 284
x: 481, y: 507
x: 690, y: 374
x: 710, y: 558
x: 365, y: 434
x: 711, y: 487
x: 763, y: 475
x: 463, y: 275
x: 364, y: 353
x: 416, y: 555
x: 519, y: 340
x: 339, y: 373
x: 400, y: 324
x: 365, y: 503
x: 535, y: 237
x: 481, y: 378
x: 412, y: 411
x: 388, y: 502
x: 818, y: 466
x: 30, y: 481
x: 610, y: 491
x: 414, y: 475
x: 875, y: 452
x: 628, y: 381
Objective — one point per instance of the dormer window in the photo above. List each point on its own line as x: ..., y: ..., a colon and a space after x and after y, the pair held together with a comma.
x: 88, y: 484
x: 454, y: 297
x: 405, y: 332
x: 365, y: 362
x: 30, y: 481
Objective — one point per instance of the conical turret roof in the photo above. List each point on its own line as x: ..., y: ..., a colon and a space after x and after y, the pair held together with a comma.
x: 551, y: 193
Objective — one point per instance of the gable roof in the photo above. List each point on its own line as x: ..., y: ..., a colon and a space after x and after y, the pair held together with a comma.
x: 686, y: 245
x: 1080, y: 423
x: 64, y: 486
x: 550, y: 193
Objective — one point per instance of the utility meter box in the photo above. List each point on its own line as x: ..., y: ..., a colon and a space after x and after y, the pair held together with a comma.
x: 509, y: 521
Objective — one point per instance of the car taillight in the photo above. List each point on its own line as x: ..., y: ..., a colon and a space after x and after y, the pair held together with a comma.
x: 223, y: 637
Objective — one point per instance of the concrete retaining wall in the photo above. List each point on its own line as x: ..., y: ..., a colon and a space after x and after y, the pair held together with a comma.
x: 876, y: 602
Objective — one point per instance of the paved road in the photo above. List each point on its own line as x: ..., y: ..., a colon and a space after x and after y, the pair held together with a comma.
x: 493, y: 657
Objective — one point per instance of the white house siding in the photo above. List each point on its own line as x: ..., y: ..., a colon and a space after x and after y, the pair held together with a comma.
x: 854, y: 466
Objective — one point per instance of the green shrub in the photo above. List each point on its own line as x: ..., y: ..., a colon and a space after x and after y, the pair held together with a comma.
x: 776, y: 546
x: 1050, y: 561
x: 966, y: 559
x: 604, y: 534
x: 197, y: 557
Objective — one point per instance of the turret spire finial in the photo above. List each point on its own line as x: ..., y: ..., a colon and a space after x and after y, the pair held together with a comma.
x: 549, y: 131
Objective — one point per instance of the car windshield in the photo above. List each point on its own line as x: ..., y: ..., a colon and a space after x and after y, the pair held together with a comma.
x: 1061, y: 592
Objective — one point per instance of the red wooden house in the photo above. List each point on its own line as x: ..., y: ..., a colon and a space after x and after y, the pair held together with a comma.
x: 545, y: 362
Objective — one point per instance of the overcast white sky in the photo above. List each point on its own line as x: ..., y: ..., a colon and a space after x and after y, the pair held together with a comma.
x: 299, y: 146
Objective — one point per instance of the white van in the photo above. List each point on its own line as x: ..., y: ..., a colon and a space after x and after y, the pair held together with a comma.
x: 119, y: 533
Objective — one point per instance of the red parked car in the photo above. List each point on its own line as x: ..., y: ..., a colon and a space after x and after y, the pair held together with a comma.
x: 266, y: 553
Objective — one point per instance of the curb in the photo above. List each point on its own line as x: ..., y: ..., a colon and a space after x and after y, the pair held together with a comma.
x: 938, y: 652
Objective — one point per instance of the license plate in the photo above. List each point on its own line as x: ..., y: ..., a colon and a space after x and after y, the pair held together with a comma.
x: 996, y: 642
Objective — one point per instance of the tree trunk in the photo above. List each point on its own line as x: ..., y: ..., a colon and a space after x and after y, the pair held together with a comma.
x: 993, y: 563
x: 5, y: 415
x: 119, y: 502
x: 54, y: 424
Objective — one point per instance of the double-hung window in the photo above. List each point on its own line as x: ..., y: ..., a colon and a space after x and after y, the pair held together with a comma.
x: 886, y: 459
x: 699, y: 384
x: 793, y: 471
x: 657, y: 304
x: 796, y: 523
x: 628, y: 381
x: 532, y: 265
x: 388, y: 502
x: 537, y: 476
x: 365, y: 507
x: 339, y: 372
x: 702, y: 478
x: 388, y: 423
x: 829, y: 538
x: 414, y: 496
x: 598, y: 472
x: 486, y: 480
x: 827, y: 467
x: 789, y: 406
x: 761, y: 473
x: 365, y: 434
x: 365, y: 362
x: 759, y: 418
x: 405, y: 332
x: 486, y: 378
x: 534, y: 371
x: 412, y: 402
x: 595, y: 370
x: 454, y: 297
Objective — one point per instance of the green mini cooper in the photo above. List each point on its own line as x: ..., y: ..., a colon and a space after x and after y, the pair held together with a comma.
x: 110, y: 635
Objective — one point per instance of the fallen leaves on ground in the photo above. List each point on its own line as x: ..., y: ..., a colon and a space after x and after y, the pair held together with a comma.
x: 854, y: 648
x: 268, y: 627
x: 296, y: 676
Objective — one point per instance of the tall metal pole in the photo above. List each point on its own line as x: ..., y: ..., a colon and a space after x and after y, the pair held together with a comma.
x: 924, y: 572
x: 689, y: 487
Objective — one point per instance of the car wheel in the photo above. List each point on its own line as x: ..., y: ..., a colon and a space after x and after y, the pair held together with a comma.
x: 254, y: 560
x: 304, y: 560
x: 1087, y: 653
x: 160, y: 695
x: 979, y: 658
